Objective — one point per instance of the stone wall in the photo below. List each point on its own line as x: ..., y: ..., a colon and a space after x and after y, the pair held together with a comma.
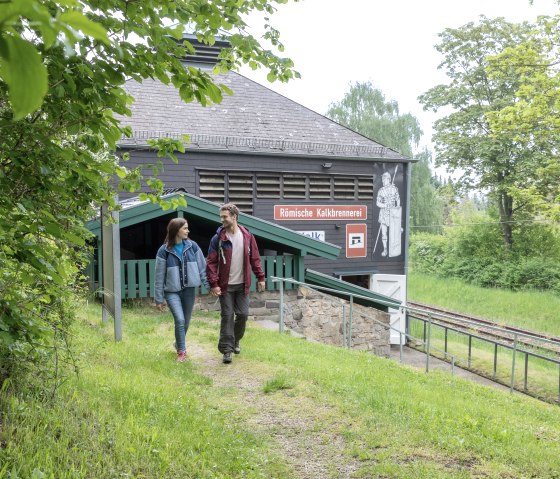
x: 318, y: 317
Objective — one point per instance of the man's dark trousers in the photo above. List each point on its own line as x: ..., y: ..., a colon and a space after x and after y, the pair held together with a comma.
x: 235, y: 309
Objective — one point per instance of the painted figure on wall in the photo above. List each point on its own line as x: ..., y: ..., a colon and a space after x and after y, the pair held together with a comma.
x: 390, y: 216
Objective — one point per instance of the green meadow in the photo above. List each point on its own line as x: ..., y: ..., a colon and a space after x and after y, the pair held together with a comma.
x: 285, y: 408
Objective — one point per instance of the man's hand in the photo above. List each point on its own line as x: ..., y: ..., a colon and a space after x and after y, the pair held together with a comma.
x: 261, y: 286
x: 216, y: 291
x: 160, y: 307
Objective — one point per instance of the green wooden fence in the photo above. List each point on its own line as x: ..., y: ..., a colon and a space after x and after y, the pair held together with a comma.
x: 138, y: 276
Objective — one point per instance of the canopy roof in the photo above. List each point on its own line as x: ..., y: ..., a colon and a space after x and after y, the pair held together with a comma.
x: 270, y: 235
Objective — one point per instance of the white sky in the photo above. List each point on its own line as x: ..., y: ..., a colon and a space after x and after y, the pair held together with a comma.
x: 390, y: 43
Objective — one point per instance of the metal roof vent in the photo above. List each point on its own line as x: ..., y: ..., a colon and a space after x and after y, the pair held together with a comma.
x: 206, y: 54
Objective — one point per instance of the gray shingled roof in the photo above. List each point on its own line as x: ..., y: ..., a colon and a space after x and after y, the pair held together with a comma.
x: 255, y: 119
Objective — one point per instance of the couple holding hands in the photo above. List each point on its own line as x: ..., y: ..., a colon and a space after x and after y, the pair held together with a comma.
x: 181, y: 268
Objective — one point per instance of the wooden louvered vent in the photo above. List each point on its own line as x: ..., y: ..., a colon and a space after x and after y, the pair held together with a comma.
x: 294, y: 186
x: 212, y: 186
x: 344, y: 188
x: 240, y: 191
x: 268, y: 185
x: 365, y: 188
x: 319, y: 187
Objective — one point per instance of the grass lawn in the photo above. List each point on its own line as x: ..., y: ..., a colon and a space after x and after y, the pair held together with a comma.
x: 285, y: 408
x: 533, y: 310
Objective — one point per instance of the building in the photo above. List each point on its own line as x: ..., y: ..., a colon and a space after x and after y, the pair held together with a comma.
x: 282, y: 163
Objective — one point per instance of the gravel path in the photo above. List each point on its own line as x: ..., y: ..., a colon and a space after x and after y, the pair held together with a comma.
x: 307, y: 433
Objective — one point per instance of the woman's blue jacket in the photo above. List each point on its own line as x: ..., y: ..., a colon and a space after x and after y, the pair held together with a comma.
x: 174, y: 273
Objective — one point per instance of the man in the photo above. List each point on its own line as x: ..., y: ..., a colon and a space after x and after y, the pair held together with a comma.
x: 389, y: 202
x: 232, y: 254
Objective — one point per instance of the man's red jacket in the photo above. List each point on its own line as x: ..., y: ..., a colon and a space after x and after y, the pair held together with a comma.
x: 218, y: 260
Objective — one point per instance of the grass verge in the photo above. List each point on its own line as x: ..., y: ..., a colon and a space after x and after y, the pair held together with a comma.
x: 533, y: 310
x: 135, y: 412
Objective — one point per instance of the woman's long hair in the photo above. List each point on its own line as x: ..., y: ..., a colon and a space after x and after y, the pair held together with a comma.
x: 173, y: 228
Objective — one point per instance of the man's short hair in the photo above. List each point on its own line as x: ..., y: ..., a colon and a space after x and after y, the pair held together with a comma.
x: 231, y: 208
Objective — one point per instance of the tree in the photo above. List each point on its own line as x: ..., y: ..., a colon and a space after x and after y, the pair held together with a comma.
x: 364, y: 109
x: 487, y: 159
x: 62, y: 68
x: 534, y: 118
x: 426, y: 204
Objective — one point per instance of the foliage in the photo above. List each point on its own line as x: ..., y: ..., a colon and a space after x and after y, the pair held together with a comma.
x: 488, y: 160
x: 62, y: 68
x: 534, y: 118
x: 426, y: 204
x: 364, y: 109
x: 471, y: 251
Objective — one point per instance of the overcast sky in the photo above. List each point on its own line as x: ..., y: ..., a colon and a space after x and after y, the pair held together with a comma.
x: 390, y: 43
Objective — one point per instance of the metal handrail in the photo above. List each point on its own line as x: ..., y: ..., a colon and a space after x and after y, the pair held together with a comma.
x: 429, y: 348
x: 476, y: 323
x: 348, y: 340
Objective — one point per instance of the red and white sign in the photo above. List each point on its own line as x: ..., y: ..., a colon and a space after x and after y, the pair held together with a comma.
x: 356, y: 240
x: 319, y: 212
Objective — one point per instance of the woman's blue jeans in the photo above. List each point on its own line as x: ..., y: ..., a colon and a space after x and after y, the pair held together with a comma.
x: 181, y: 305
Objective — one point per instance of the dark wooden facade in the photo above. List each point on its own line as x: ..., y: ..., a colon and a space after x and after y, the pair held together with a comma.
x: 261, y: 150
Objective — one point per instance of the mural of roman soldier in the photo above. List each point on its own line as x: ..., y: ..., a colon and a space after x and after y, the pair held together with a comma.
x: 389, y: 204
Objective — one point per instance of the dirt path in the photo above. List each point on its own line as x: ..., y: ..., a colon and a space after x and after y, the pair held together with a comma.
x: 306, y: 432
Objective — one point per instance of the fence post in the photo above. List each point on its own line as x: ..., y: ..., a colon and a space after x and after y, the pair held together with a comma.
x: 470, y: 350
x: 526, y: 370
x: 281, y: 321
x: 513, y: 362
x: 344, y: 342
x: 427, y: 342
x: 350, y: 322
x: 495, y: 360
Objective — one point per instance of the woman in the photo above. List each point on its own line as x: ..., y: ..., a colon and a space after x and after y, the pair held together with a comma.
x: 180, y: 269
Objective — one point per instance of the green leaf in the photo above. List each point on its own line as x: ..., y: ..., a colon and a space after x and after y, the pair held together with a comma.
x: 23, y: 71
x: 79, y: 21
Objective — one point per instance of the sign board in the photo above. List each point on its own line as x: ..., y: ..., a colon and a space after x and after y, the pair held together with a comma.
x: 317, y: 235
x: 319, y: 212
x: 356, y: 240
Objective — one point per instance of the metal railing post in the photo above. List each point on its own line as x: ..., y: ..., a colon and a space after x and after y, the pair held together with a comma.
x: 428, y: 342
x: 526, y: 371
x: 514, y: 353
x: 495, y: 361
x: 401, y: 341
x: 424, y: 333
x: 470, y: 350
x: 281, y: 322
x: 350, y: 322
x: 344, y: 325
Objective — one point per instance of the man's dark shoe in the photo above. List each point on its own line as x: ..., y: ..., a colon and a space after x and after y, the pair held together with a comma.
x: 227, y: 358
x: 237, y: 348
